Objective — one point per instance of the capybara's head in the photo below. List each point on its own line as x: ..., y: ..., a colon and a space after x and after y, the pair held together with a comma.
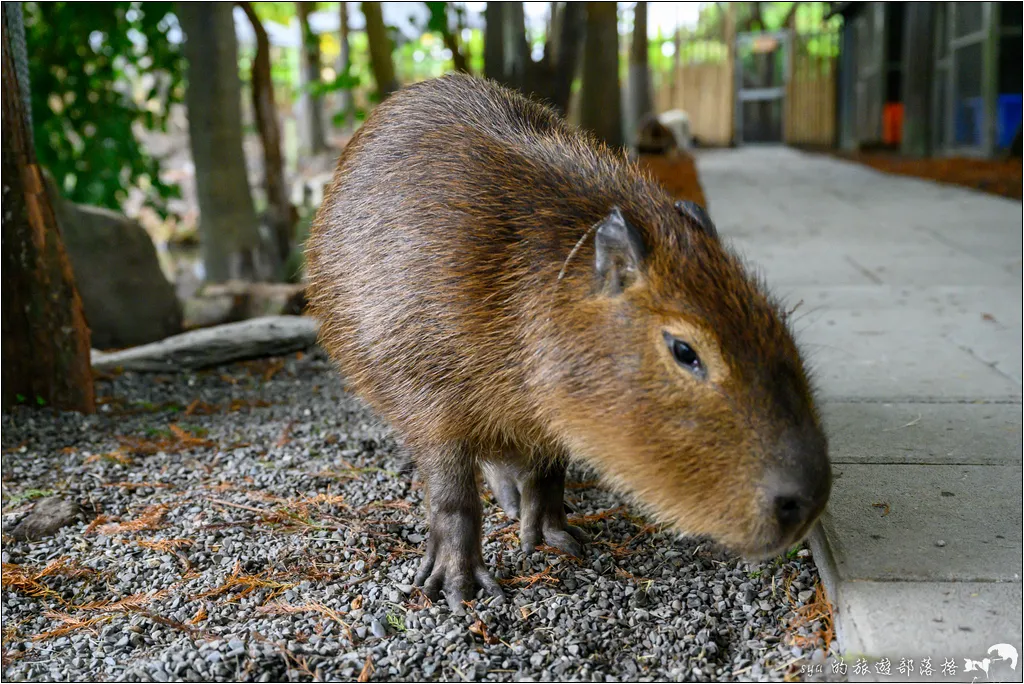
x: 653, y: 137
x: 685, y: 386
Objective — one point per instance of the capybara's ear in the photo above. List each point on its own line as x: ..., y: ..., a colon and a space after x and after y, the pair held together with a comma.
x: 619, y: 253
x: 696, y: 213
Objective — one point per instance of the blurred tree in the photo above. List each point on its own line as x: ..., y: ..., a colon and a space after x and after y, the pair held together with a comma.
x: 506, y: 52
x: 563, y: 51
x: 494, y: 42
x: 228, y: 228
x: 277, y: 12
x: 381, y: 47
x: 312, y: 88
x: 439, y: 23
x: 345, y: 103
x: 281, y: 215
x: 600, y: 99
x: 639, y: 73
x: 558, y: 67
x: 45, y: 336
x: 507, y: 58
x: 765, y: 16
x: 99, y: 70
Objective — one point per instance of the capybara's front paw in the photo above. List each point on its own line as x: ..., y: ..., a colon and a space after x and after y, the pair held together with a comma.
x: 459, y: 571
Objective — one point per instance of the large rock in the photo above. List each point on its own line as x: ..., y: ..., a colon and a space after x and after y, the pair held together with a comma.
x: 257, y: 338
x: 127, y: 299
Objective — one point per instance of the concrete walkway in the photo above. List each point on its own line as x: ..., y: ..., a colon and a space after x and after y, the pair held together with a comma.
x: 911, y: 318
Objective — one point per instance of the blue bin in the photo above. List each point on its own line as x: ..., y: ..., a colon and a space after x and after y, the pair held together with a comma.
x: 970, y: 113
x: 1008, y: 118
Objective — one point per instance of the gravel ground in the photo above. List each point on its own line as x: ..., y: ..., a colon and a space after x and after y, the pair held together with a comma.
x: 252, y: 523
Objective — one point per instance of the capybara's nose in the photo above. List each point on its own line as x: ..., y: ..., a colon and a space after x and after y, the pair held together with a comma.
x: 791, y: 512
x: 797, y: 498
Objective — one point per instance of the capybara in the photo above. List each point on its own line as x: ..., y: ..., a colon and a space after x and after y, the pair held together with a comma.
x: 653, y: 137
x: 512, y: 295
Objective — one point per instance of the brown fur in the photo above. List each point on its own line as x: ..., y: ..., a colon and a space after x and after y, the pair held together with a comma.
x: 434, y: 264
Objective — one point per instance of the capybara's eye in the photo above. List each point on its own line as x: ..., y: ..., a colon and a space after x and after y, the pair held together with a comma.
x: 685, y: 356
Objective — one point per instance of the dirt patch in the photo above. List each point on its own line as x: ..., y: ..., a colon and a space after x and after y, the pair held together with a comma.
x: 995, y: 176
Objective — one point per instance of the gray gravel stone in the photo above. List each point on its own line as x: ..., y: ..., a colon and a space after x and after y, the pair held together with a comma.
x: 282, y: 541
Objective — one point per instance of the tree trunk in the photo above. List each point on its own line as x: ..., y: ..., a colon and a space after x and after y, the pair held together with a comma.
x: 380, y: 50
x: 45, y: 336
x: 344, y: 65
x: 507, y: 54
x: 450, y: 39
x: 639, y: 73
x: 494, y: 41
x: 458, y: 58
x: 517, y: 51
x: 281, y: 215
x: 789, y: 21
x: 313, y: 106
x: 571, y: 24
x: 227, y: 220
x: 554, y: 30
x: 600, y: 103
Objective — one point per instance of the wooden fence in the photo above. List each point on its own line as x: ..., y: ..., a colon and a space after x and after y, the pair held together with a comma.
x: 704, y: 87
x: 810, y: 117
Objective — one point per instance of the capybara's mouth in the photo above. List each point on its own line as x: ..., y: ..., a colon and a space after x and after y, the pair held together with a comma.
x: 776, y: 547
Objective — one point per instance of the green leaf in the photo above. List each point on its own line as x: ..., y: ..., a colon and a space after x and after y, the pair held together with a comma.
x: 87, y: 139
x: 397, y: 622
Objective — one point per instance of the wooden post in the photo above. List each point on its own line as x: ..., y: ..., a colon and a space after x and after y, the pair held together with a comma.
x: 918, y: 66
x: 730, y: 41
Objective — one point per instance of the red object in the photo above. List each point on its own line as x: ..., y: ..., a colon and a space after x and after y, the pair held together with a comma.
x: 892, y: 123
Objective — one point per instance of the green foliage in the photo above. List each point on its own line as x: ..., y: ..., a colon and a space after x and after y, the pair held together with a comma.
x: 438, y: 21
x: 280, y: 12
x: 21, y: 399
x: 396, y: 622
x: 28, y: 495
x: 345, y: 81
x: 97, y: 71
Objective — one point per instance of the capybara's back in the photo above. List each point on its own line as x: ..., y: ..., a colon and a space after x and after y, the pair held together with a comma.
x: 511, y: 295
x: 450, y: 213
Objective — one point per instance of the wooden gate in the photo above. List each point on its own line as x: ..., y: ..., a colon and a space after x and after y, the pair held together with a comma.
x: 700, y: 79
x: 811, y: 92
x: 700, y: 83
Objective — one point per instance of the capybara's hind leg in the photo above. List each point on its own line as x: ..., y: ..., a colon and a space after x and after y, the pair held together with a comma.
x: 454, y: 559
x: 542, y: 511
x: 505, y: 477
